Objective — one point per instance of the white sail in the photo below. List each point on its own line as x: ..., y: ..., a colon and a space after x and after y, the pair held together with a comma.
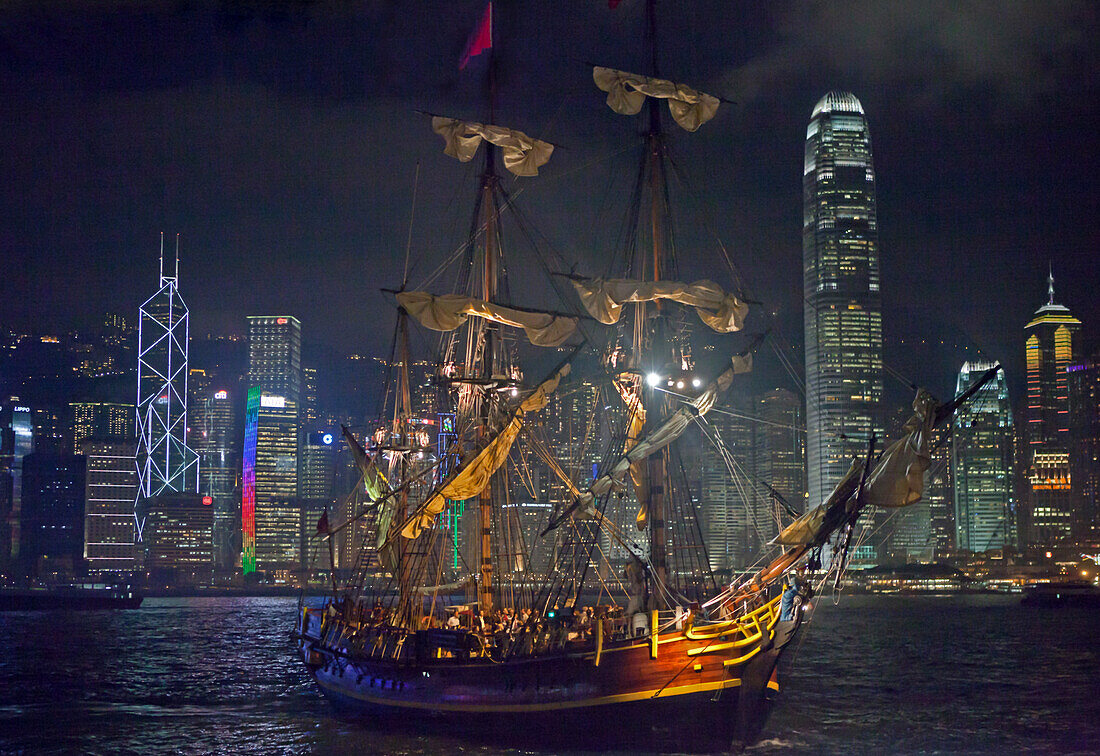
x: 449, y: 311
x: 626, y: 92
x: 523, y: 155
x: 604, y: 300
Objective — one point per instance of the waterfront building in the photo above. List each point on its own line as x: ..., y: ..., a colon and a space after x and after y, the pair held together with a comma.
x: 110, y: 490
x: 270, y: 518
x: 1084, y: 448
x: 100, y: 420
x: 275, y: 355
x: 17, y: 440
x: 939, y: 490
x: 1047, y: 518
x: 164, y: 461
x: 730, y: 501
x: 781, y: 437
x: 179, y: 537
x: 842, y: 301
x: 317, y: 466
x: 311, y: 411
x: 275, y: 476
x: 215, y: 436
x: 51, y: 518
x: 982, y: 464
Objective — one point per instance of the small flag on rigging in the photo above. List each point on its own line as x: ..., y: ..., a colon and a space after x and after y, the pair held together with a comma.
x: 482, y: 38
x: 322, y: 524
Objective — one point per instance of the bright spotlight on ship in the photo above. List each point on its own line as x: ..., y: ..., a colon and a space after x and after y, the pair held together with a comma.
x: 679, y: 384
x: 653, y: 379
x: 696, y: 382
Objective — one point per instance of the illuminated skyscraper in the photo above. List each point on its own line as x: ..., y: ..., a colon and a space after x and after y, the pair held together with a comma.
x: 101, y: 420
x: 1049, y: 350
x: 109, y: 495
x: 842, y: 308
x: 164, y: 461
x: 271, y: 520
x: 981, y: 462
x: 17, y: 440
x: 276, y: 484
x: 215, y: 436
x: 275, y: 355
x: 1084, y: 450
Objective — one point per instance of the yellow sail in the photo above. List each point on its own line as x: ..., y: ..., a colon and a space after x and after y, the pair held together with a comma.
x: 473, y: 477
x: 629, y: 390
x: 449, y: 311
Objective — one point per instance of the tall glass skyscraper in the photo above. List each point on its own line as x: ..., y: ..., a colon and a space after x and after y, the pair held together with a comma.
x: 842, y: 307
x: 981, y: 463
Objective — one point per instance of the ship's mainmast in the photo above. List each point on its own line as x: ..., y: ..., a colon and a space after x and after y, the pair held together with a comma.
x: 647, y: 335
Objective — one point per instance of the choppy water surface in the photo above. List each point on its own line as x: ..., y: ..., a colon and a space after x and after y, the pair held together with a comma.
x: 963, y: 675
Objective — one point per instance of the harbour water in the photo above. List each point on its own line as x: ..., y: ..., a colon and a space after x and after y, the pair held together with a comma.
x: 873, y: 675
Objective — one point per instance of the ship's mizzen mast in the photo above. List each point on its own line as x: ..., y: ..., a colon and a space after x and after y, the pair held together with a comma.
x: 489, y: 293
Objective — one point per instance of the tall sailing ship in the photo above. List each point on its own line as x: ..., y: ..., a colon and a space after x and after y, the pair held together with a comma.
x: 605, y: 621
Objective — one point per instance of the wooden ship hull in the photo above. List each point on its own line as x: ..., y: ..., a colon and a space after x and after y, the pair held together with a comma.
x: 706, y: 686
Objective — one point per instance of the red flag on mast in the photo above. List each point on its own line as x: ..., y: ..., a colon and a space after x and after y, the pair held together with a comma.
x: 482, y: 38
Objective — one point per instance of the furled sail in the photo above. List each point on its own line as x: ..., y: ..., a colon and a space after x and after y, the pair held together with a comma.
x: 806, y: 529
x: 662, y: 436
x: 897, y: 479
x: 375, y: 486
x: 449, y: 311
x: 630, y: 391
x: 626, y: 92
x: 522, y: 154
x: 472, y: 477
x: 373, y: 481
x: 604, y: 299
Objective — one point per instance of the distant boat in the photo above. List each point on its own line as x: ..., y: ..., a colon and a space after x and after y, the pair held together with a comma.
x: 1074, y: 593
x: 70, y: 596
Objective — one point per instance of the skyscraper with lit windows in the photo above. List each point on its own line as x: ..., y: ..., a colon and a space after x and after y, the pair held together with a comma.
x: 842, y: 307
x: 269, y: 510
x: 1049, y: 350
x: 981, y: 463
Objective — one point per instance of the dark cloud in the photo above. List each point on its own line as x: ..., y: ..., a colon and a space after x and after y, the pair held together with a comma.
x: 936, y: 50
x: 283, y: 141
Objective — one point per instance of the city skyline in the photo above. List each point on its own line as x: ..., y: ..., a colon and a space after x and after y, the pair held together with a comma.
x: 290, y: 174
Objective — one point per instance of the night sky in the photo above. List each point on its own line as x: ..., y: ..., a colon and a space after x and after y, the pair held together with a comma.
x: 282, y: 140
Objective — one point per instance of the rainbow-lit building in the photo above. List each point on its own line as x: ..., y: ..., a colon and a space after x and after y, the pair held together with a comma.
x: 270, y: 515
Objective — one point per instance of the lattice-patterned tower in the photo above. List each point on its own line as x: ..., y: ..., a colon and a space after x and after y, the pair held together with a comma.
x: 164, y: 461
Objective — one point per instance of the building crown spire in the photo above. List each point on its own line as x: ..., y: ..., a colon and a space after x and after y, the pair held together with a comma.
x: 1050, y: 284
